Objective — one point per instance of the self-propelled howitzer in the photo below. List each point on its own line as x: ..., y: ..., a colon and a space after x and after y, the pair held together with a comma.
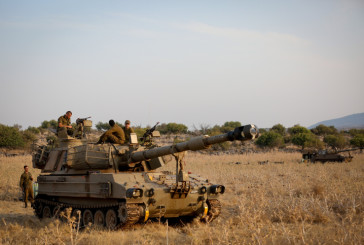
x: 117, y: 185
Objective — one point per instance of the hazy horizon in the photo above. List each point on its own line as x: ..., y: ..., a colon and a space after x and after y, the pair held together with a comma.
x: 191, y: 62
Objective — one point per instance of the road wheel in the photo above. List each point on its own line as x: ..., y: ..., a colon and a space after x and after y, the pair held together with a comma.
x: 47, y: 212
x: 123, y: 213
x: 87, y: 217
x: 129, y: 214
x: 99, y: 218
x: 111, y: 219
x: 56, y: 211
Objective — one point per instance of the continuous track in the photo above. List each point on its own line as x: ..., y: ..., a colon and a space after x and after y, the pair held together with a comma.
x: 131, y: 215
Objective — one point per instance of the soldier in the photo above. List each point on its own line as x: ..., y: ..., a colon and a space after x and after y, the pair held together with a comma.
x: 114, y: 135
x: 127, y: 130
x: 64, y: 123
x: 27, y: 186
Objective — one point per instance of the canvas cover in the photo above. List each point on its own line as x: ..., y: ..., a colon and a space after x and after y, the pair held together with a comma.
x: 89, y: 156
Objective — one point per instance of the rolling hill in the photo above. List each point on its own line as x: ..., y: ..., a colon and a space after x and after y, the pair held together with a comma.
x: 347, y: 122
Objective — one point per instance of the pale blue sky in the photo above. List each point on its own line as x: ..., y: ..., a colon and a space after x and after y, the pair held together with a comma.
x: 191, y: 62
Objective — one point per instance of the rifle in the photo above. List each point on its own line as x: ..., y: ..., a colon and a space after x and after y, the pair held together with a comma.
x: 149, y: 132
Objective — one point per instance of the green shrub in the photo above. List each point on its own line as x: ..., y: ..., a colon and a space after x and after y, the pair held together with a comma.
x: 306, y: 139
x: 216, y: 130
x: 140, y: 131
x: 358, y: 140
x: 28, y: 136
x: 34, y: 130
x: 10, y: 137
x: 353, y: 132
x: 335, y: 141
x: 49, y: 124
x: 297, y: 129
x: 173, y: 128
x: 324, y: 130
x: 229, y: 126
x: 270, y: 139
x: 102, y: 126
x: 279, y: 128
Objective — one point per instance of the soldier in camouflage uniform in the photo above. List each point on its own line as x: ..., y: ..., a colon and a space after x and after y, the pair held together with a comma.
x: 64, y: 123
x: 127, y: 130
x: 27, y: 186
x: 114, y: 135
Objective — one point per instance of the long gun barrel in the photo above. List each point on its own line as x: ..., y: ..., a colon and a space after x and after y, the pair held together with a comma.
x: 352, y: 149
x: 243, y: 133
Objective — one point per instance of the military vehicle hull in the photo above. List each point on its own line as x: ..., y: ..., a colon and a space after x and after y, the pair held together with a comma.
x: 152, y: 195
x: 118, y: 185
x: 326, y: 156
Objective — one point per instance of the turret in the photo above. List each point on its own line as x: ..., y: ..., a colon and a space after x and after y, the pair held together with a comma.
x: 76, y: 159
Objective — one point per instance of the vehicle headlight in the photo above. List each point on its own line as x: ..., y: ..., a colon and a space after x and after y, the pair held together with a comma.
x: 134, y: 193
x: 215, y: 189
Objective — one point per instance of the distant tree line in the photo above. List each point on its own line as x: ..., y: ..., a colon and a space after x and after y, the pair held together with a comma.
x: 319, y: 137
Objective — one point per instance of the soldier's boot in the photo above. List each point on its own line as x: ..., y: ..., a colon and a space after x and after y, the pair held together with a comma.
x: 26, y: 205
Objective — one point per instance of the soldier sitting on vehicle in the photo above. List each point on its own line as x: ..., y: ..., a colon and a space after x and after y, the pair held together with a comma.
x: 64, y: 124
x: 114, y: 135
x: 127, y: 130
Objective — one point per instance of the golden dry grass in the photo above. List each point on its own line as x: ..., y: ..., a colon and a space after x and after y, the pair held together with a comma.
x: 290, y: 203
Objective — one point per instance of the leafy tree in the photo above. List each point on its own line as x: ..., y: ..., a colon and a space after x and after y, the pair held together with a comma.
x: 314, y: 142
x: 162, y: 128
x: 335, y: 141
x: 306, y: 139
x: 229, y: 126
x: 353, y: 132
x: 297, y: 129
x: 172, y: 128
x: 279, y: 128
x: 215, y: 130
x: 102, y: 126
x: 34, y: 130
x: 140, y: 131
x: 262, y: 131
x: 176, y: 128
x: 28, y: 136
x: 358, y: 140
x: 324, y: 130
x: 270, y: 139
x: 10, y: 137
x: 49, y: 124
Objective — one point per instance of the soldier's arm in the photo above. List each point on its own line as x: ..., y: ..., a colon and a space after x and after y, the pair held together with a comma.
x: 21, y: 181
x: 60, y: 124
x: 131, y: 130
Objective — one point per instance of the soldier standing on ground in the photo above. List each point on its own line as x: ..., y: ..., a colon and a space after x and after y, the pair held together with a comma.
x: 64, y: 123
x: 114, y: 135
x: 127, y: 130
x: 27, y: 186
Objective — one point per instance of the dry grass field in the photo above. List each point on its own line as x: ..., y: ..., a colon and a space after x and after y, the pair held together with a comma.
x: 290, y: 203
